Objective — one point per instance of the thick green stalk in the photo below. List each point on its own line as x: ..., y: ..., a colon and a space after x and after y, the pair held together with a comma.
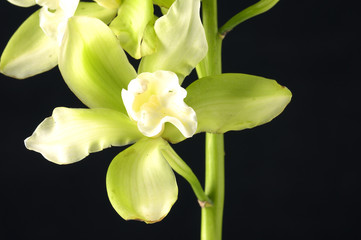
x: 212, y: 217
x: 211, y: 228
x: 212, y: 63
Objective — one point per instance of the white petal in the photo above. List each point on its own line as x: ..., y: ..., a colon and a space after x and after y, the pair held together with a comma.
x: 54, y: 16
x: 182, y: 40
x: 68, y: 7
x: 49, y: 22
x: 69, y: 135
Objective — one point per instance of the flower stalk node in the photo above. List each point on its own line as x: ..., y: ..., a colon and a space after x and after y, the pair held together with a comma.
x: 204, y: 204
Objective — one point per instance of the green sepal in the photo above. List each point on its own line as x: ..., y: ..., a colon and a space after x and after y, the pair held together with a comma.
x: 140, y: 183
x: 130, y: 25
x: 93, y: 64
x: 91, y: 9
x: 29, y: 51
x: 182, y: 42
x: 232, y: 102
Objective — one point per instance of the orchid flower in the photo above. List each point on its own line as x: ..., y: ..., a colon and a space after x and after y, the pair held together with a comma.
x: 147, y: 107
x: 33, y: 48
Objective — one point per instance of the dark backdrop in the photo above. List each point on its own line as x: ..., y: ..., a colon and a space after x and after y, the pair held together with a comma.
x: 297, y: 177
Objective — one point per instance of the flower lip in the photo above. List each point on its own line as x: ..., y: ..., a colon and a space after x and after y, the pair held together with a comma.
x: 152, y: 99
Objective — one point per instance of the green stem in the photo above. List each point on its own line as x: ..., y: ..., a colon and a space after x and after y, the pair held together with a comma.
x: 212, y: 63
x: 211, y: 227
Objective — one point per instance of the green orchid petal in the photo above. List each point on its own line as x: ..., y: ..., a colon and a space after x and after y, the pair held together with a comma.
x: 23, y: 3
x: 140, y: 183
x: 93, y: 64
x: 130, y: 28
x: 29, y: 51
x: 182, y: 43
x: 235, y: 101
x: 69, y: 135
x: 54, y: 15
x: 111, y: 4
x: 91, y: 9
x: 163, y: 3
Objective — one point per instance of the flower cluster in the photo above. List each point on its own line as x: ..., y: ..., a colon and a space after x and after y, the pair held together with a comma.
x: 146, y: 107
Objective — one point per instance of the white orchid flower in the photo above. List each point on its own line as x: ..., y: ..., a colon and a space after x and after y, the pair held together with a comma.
x: 147, y: 107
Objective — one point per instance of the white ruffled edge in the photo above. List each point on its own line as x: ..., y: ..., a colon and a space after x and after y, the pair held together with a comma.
x: 182, y: 117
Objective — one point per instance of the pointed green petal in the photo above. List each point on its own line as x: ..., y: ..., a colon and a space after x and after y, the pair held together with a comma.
x: 111, y: 4
x: 130, y: 27
x: 69, y: 135
x: 29, y: 51
x: 140, y: 183
x: 235, y: 101
x: 93, y: 64
x: 91, y: 9
x: 23, y: 3
x: 182, y: 43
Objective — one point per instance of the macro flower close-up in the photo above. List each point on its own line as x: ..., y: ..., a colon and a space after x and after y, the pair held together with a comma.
x: 174, y: 119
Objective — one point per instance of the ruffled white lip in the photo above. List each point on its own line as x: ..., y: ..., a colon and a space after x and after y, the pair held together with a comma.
x: 152, y: 99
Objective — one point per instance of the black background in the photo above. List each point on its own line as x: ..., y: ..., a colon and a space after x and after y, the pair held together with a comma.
x: 297, y: 177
